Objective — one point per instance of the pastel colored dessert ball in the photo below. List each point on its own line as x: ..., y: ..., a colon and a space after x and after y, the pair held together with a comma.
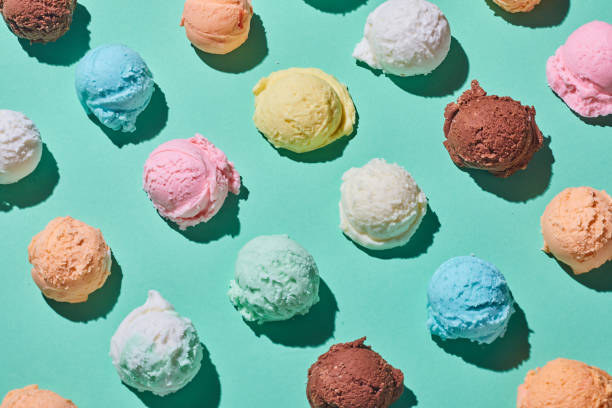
x: 188, y: 180
x: 155, y: 349
x: 70, y: 260
x: 580, y: 72
x: 40, y: 21
x: 564, y: 383
x: 20, y: 146
x: 489, y: 132
x: 115, y: 85
x: 303, y: 109
x: 217, y: 26
x: 353, y: 375
x: 577, y: 228
x: 480, y: 314
x: 275, y: 279
x: 517, y: 6
x: 33, y: 397
x: 381, y: 206
x: 405, y: 38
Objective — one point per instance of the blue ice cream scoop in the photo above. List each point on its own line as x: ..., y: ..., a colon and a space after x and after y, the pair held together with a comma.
x: 469, y: 298
x: 114, y: 83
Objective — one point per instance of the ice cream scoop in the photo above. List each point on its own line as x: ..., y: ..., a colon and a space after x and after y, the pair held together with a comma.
x: 468, y: 298
x: 20, y: 146
x: 155, y: 349
x: 33, y: 397
x: 302, y: 109
x: 188, y: 180
x: 352, y: 375
x: 491, y: 133
x: 217, y: 26
x: 381, y: 206
x: 580, y: 72
x: 275, y: 279
x: 114, y: 84
x: 564, y: 383
x: 405, y: 38
x: 70, y: 260
x: 577, y: 228
x: 517, y: 6
x: 39, y: 21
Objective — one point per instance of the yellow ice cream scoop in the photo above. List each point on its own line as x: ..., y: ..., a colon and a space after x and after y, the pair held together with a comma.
x: 302, y: 109
x: 517, y: 6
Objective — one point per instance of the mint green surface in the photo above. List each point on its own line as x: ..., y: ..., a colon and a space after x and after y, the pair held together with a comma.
x: 95, y: 176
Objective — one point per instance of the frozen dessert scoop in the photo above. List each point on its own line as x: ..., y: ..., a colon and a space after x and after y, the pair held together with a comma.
x: 188, y: 180
x: 491, y: 133
x: 40, y: 21
x: 155, y: 349
x: 33, y: 397
x: 517, y: 6
x: 352, y: 375
x: 577, y: 228
x: 405, y: 38
x: 580, y: 72
x: 217, y: 26
x: 381, y: 206
x: 468, y: 298
x: 70, y: 260
x: 275, y: 279
x: 20, y: 146
x: 302, y: 109
x: 114, y: 84
x: 564, y: 383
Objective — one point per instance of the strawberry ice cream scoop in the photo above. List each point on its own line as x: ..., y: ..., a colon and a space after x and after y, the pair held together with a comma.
x: 188, y: 180
x: 580, y: 72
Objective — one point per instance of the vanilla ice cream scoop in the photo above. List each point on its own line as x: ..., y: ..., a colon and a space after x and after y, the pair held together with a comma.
x: 381, y: 205
x: 405, y: 38
x: 20, y: 146
x: 155, y: 349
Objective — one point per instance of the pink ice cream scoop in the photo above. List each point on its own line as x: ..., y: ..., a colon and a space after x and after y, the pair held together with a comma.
x: 188, y: 180
x: 580, y: 72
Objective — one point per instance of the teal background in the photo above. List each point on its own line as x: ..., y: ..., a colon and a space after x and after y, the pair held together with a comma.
x: 95, y: 175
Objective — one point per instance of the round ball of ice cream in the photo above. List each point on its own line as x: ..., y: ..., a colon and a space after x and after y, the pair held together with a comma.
x: 580, y: 72
x: 70, y: 260
x: 352, y: 375
x: 115, y: 85
x: 302, y: 109
x: 480, y: 314
x: 33, y: 397
x: 577, y: 228
x: 381, y: 205
x: 217, y: 26
x: 155, y: 349
x: 491, y: 133
x: 517, y: 6
x: 20, y: 146
x: 405, y: 38
x: 564, y: 383
x: 188, y: 180
x: 39, y: 21
x: 275, y: 279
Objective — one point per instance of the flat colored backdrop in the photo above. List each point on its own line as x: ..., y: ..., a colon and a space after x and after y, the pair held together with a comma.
x: 95, y: 175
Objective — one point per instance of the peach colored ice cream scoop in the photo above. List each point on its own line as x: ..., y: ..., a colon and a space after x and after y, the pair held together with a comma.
x: 564, y: 383
x: 217, y: 26
x: 517, y: 6
x: 577, y: 228
x: 70, y: 260
x: 33, y: 397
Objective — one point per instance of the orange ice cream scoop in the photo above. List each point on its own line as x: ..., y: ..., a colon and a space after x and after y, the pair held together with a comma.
x: 217, y: 26
x: 517, y: 6
x: 577, y: 228
x: 32, y: 397
x: 563, y: 383
x: 69, y: 260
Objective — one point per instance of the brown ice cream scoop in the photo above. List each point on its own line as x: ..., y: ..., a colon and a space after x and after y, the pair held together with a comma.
x: 38, y: 20
x: 352, y: 375
x: 490, y: 132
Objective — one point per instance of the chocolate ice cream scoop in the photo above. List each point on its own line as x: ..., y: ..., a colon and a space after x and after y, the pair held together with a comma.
x: 352, y: 375
x: 490, y: 132
x: 38, y: 20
